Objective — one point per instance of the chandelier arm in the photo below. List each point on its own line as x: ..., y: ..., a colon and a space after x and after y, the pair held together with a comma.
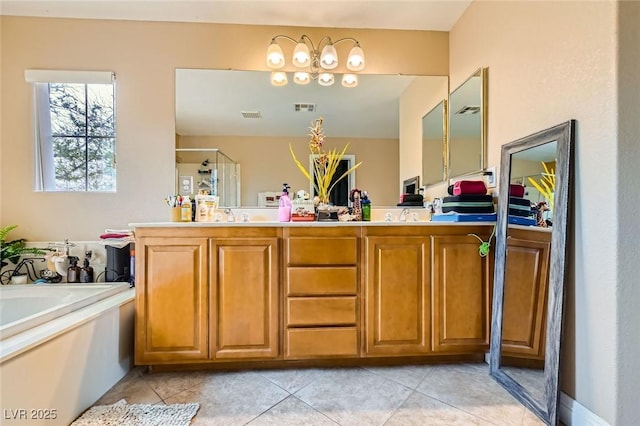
x: 347, y: 39
x: 308, y: 40
x: 285, y: 37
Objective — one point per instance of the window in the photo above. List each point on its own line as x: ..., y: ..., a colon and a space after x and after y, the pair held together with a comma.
x: 75, y: 131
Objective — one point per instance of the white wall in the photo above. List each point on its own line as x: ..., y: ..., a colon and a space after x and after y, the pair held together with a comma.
x: 550, y: 62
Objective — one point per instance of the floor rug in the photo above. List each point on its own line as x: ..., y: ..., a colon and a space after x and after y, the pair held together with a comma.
x: 123, y: 414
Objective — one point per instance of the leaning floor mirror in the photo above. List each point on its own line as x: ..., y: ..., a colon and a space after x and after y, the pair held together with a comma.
x: 530, y: 265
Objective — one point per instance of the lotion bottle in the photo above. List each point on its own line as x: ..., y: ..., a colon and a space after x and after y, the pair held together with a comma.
x: 185, y: 210
x: 284, y: 209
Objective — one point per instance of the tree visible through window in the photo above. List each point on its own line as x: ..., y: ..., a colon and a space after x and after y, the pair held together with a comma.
x: 83, y: 136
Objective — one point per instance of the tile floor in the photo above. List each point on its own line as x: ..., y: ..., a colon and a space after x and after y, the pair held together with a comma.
x: 458, y: 394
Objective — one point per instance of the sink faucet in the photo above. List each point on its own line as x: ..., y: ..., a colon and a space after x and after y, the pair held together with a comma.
x: 403, y: 215
x: 230, y: 216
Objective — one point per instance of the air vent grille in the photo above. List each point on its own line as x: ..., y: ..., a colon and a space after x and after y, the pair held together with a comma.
x: 304, y: 107
x: 468, y: 109
x: 251, y: 114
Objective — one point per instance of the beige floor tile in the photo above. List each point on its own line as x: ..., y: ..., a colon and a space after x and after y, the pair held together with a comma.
x: 132, y: 388
x: 409, y: 375
x: 231, y: 398
x: 421, y: 410
x: 292, y: 412
x: 354, y: 396
x: 294, y: 379
x: 457, y: 394
x: 171, y: 383
x: 474, y: 392
x: 532, y: 380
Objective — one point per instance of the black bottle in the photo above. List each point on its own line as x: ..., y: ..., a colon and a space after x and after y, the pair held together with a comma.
x: 86, y: 273
x: 73, y: 271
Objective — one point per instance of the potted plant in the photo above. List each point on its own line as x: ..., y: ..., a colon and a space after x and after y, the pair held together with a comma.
x: 325, y: 163
x: 10, y: 251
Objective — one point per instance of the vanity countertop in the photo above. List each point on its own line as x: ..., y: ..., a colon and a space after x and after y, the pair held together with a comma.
x: 315, y: 224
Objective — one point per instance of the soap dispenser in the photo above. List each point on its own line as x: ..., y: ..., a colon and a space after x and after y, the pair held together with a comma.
x: 73, y: 271
x: 86, y: 273
x: 284, y: 209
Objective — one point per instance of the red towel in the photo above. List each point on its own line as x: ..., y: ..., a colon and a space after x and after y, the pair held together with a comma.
x: 516, y: 190
x: 108, y: 236
x: 469, y: 187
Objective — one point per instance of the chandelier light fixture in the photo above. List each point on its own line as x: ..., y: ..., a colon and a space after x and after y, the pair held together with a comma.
x: 314, y: 62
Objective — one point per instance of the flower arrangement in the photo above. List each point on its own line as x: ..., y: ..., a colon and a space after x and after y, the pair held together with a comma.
x: 546, y: 185
x: 325, y: 163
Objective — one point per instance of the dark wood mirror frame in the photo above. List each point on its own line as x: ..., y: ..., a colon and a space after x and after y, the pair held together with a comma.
x: 564, y: 135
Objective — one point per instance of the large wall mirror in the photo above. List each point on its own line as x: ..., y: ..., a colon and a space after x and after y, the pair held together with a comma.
x: 530, y: 267
x: 467, y: 142
x: 253, y: 122
x: 434, y: 142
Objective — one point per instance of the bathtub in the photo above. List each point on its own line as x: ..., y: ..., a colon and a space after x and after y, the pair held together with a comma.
x: 62, y: 346
x: 27, y: 306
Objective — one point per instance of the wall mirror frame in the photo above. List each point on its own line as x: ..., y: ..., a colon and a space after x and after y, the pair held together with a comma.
x: 434, y: 144
x: 543, y: 401
x: 467, y: 130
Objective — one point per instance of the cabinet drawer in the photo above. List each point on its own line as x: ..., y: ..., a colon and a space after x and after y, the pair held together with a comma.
x: 305, y: 311
x: 321, y: 281
x: 322, y: 251
x: 310, y: 342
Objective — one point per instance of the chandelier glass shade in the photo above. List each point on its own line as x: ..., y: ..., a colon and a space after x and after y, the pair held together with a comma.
x: 315, y: 62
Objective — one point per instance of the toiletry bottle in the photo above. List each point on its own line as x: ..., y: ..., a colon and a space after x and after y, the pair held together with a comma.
x: 366, y: 207
x: 86, y: 273
x: 185, y: 210
x: 132, y: 264
x: 284, y: 209
x: 73, y: 271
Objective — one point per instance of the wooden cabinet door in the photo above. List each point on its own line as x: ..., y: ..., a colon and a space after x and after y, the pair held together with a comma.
x: 525, y: 298
x: 461, y: 296
x: 397, y: 300
x: 244, y: 298
x: 171, y: 300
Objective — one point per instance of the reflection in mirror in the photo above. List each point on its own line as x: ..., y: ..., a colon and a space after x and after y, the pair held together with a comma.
x: 467, y: 126
x: 242, y: 114
x: 529, y: 270
x: 434, y: 125
x: 208, y: 170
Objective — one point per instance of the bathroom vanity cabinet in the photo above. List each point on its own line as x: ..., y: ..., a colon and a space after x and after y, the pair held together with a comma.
x: 321, y: 292
x: 426, y: 294
x: 172, y: 299
x: 306, y: 293
x: 206, y: 293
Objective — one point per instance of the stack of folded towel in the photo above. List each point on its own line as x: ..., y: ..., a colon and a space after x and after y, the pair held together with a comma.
x: 117, y: 237
x: 467, y: 201
x: 520, y: 212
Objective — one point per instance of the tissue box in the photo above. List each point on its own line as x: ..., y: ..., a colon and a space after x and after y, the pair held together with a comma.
x: 302, y: 211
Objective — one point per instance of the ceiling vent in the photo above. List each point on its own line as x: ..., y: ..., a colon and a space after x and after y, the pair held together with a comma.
x: 251, y: 114
x: 304, y: 107
x: 469, y: 109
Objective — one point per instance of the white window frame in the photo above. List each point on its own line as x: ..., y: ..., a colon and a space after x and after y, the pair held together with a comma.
x: 44, y: 173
